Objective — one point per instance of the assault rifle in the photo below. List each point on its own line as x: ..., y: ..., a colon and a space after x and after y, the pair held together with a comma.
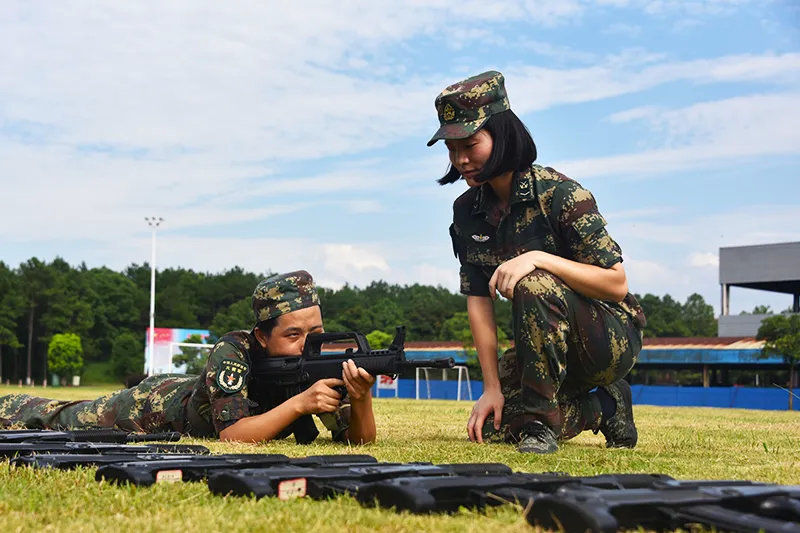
x: 85, y: 435
x: 275, y: 379
x: 97, y: 441
x: 15, y: 449
x: 336, y: 479
x: 299, y: 373
x: 148, y: 472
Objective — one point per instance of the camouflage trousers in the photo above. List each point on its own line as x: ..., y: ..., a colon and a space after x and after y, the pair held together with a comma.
x: 565, y: 345
x: 156, y: 404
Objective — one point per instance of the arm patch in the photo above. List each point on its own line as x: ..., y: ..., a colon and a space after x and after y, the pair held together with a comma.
x: 232, y: 375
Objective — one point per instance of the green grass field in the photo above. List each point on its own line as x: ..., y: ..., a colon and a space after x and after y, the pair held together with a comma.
x: 683, y: 442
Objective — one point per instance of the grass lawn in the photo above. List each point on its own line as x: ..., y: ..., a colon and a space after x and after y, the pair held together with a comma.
x: 683, y: 442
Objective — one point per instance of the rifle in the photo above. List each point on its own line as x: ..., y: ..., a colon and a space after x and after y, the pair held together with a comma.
x: 740, y: 506
x: 604, y: 503
x: 70, y: 461
x: 85, y: 435
x: 15, y: 449
x: 275, y: 379
x: 299, y: 373
x: 147, y: 472
x: 335, y: 479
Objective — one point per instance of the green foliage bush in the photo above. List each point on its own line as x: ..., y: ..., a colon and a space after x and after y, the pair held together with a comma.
x: 238, y: 315
x: 127, y: 355
x: 65, y: 354
x: 379, y: 340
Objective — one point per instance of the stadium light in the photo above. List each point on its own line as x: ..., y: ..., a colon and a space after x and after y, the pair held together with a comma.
x: 153, y: 222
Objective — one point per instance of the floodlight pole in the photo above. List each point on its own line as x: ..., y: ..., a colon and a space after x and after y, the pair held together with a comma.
x: 153, y: 222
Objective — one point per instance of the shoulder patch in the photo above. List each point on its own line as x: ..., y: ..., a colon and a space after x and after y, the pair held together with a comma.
x: 231, y: 375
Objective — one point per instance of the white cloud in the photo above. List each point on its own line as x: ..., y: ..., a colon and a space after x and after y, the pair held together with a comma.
x: 703, y: 260
x: 618, y: 75
x: 704, y: 135
x: 625, y: 30
x: 346, y: 263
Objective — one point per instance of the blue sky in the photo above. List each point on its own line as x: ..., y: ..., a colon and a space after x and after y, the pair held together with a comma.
x: 278, y: 138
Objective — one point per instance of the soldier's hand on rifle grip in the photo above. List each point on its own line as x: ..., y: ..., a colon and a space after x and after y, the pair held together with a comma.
x: 357, y: 380
x: 320, y: 397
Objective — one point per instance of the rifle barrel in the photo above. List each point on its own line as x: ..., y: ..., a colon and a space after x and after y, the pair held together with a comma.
x: 447, y: 362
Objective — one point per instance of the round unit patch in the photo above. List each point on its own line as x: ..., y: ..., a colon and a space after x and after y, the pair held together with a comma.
x: 231, y: 375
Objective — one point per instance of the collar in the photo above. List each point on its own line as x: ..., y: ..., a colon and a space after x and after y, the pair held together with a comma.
x: 522, y: 190
x: 484, y: 200
x: 522, y: 187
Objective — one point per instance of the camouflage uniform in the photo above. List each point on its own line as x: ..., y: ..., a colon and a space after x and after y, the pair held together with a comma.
x: 156, y: 404
x: 196, y: 405
x: 212, y: 408
x: 565, y: 343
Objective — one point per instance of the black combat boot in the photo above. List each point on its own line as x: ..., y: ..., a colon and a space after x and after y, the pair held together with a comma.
x: 537, y: 437
x: 620, y: 430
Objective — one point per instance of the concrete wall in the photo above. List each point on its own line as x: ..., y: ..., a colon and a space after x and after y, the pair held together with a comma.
x: 739, y: 325
x: 762, y: 263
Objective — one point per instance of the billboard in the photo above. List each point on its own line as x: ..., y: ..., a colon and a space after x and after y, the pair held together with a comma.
x: 162, y: 340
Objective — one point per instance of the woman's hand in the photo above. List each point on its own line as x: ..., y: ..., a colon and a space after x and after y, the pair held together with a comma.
x: 491, y: 401
x: 357, y: 380
x: 507, y: 275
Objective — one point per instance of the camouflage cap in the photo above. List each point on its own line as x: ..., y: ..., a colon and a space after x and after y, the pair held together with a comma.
x: 466, y: 105
x: 283, y: 293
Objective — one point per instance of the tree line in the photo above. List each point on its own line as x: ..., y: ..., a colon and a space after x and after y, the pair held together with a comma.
x: 109, y: 311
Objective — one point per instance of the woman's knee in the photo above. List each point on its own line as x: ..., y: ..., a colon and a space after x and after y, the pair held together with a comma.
x: 538, y: 286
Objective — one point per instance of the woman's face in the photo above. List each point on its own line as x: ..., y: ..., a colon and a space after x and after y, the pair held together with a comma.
x: 469, y: 155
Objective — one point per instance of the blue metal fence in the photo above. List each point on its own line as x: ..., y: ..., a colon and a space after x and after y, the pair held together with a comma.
x: 739, y: 397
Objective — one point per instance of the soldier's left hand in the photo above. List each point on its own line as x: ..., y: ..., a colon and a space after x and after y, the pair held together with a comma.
x: 508, y: 274
x: 357, y: 380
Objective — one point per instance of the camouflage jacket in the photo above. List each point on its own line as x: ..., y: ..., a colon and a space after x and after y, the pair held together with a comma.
x: 221, y: 395
x: 547, y: 211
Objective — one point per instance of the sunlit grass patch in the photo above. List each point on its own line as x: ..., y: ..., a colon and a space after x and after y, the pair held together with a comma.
x: 682, y: 442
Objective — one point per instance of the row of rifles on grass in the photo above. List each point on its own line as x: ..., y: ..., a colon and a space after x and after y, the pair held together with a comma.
x: 600, y: 503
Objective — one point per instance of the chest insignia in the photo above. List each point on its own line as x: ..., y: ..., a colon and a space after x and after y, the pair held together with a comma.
x: 231, y: 375
x: 480, y: 238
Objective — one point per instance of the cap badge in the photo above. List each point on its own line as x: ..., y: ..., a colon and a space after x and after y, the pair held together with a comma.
x: 480, y: 238
x: 449, y: 113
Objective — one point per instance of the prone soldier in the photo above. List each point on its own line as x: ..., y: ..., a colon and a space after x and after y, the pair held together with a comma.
x: 217, y: 403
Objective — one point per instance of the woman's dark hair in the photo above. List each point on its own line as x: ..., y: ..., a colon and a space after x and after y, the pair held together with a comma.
x: 512, y: 149
x: 267, y: 326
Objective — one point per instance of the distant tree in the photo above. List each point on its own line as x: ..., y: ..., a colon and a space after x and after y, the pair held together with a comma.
x: 378, y: 340
x: 699, y: 317
x: 782, y: 336
x: 118, y: 305
x: 36, y: 278
x: 193, y: 358
x: 12, y: 306
x: 758, y: 310
x: 68, y: 302
x: 456, y: 328
x: 65, y: 354
x: 238, y: 315
x: 127, y: 355
x: 667, y: 317
x: 332, y: 326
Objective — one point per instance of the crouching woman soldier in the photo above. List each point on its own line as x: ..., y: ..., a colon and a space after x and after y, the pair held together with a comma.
x: 220, y: 403
x: 536, y: 237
